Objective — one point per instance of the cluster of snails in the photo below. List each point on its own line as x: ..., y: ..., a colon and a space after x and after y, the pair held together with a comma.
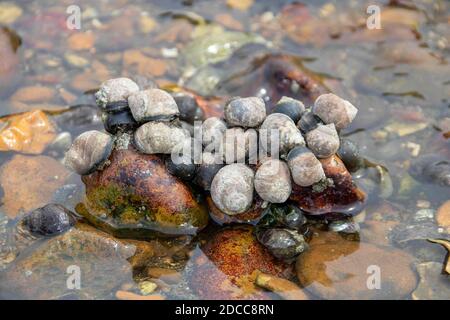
x: 157, y: 122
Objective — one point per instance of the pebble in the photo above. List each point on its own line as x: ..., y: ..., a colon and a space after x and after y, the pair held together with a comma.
x: 34, y: 94
x: 81, y: 41
x: 9, y: 12
x: 29, y: 132
x: 242, y: 5
x: 147, y: 287
x: 146, y: 24
x: 76, y: 61
x: 284, y: 288
x: 135, y: 61
x: 340, y: 271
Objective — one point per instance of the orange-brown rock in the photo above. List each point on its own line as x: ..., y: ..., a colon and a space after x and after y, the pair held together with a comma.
x: 130, y: 197
x: 81, y: 41
x: 28, y: 182
x: 135, y: 60
x: 33, y: 94
x: 443, y: 215
x: 9, y: 42
x: 230, y: 263
x: 343, y: 197
x: 251, y: 216
x: 29, y: 132
x: 284, y: 288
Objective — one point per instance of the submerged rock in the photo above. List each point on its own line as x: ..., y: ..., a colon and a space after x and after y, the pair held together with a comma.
x: 433, y: 284
x: 432, y: 168
x: 346, y: 270
x: 231, y: 262
x: 129, y: 198
x: 342, y: 196
x: 44, y: 270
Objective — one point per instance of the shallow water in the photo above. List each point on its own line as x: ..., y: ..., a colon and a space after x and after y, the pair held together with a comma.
x: 398, y: 77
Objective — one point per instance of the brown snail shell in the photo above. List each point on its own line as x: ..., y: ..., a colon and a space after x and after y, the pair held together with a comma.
x: 159, y: 137
x: 289, y: 135
x: 323, y: 141
x: 273, y: 181
x: 88, y: 151
x: 333, y: 109
x: 115, y: 90
x: 245, y: 112
x: 232, y: 188
x: 152, y: 104
x: 213, y: 130
x: 306, y: 169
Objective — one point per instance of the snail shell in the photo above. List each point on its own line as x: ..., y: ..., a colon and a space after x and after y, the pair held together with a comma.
x: 118, y: 121
x: 232, y: 188
x: 333, y: 109
x: 189, y: 109
x: 309, y: 121
x: 115, y: 90
x: 88, y: 152
x: 159, y: 137
x: 245, y: 112
x: 282, y: 243
x: 206, y: 171
x: 237, y: 144
x: 306, y: 169
x: 51, y: 219
x: 273, y: 181
x: 152, y: 104
x: 291, y: 107
x: 213, y: 130
x: 348, y: 152
x: 288, y: 134
x: 323, y: 141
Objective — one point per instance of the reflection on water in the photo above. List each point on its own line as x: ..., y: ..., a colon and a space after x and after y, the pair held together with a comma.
x: 397, y: 76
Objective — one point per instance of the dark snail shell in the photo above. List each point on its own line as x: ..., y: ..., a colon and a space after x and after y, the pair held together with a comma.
x: 189, y: 109
x: 308, y: 121
x: 348, y: 152
x: 207, y: 169
x: 88, y: 152
x: 282, y: 243
x: 119, y: 121
x: 49, y: 220
x: 291, y: 107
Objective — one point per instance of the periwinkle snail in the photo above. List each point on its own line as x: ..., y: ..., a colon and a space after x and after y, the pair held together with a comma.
x: 283, y: 243
x: 232, y: 188
x: 115, y: 90
x: 236, y: 144
x: 207, y: 169
x: 188, y: 107
x: 49, y: 220
x: 306, y: 169
x: 290, y: 107
x: 245, y: 112
x: 158, y: 137
x: 333, y: 109
x: 273, y: 181
x: 213, y: 130
x: 88, y: 152
x: 323, y: 141
x: 349, y: 153
x: 152, y: 104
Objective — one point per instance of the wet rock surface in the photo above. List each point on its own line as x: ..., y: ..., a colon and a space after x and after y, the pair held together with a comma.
x: 129, y: 197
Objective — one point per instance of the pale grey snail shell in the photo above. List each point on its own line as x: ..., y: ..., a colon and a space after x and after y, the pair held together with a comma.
x: 115, y: 90
x: 213, y: 130
x: 159, y: 137
x: 273, y: 181
x: 245, y: 112
x: 232, y: 188
x: 323, y: 141
x: 306, y: 169
x: 238, y: 144
x: 88, y: 151
x: 152, y: 104
x: 332, y: 109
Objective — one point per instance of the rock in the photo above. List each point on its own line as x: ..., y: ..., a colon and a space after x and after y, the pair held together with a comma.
x: 129, y: 198
x: 284, y: 288
x: 147, y: 24
x: 431, y: 168
x: 231, y: 262
x: 33, y: 94
x: 33, y: 183
x: 30, y: 132
x: 81, y: 41
x: 147, y: 287
x: 167, y: 275
x: 76, y: 60
x: 9, y: 60
x: 443, y: 215
x: 341, y: 197
x: 377, y: 232
x: 242, y: 5
x: 126, y: 295
x: 341, y: 270
x: 251, y: 216
x: 433, y: 285
x: 9, y: 12
x: 44, y: 271
x: 446, y: 244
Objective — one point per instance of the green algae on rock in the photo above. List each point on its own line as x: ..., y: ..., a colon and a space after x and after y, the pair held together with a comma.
x: 130, y: 198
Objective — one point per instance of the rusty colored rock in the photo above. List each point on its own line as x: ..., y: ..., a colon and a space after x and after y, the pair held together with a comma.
x: 28, y: 182
x: 143, y: 65
x: 341, y: 270
x: 129, y: 198
x: 81, y: 41
x: 342, y: 197
x: 29, y: 132
x: 232, y: 260
x: 33, y: 94
x: 9, y: 42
